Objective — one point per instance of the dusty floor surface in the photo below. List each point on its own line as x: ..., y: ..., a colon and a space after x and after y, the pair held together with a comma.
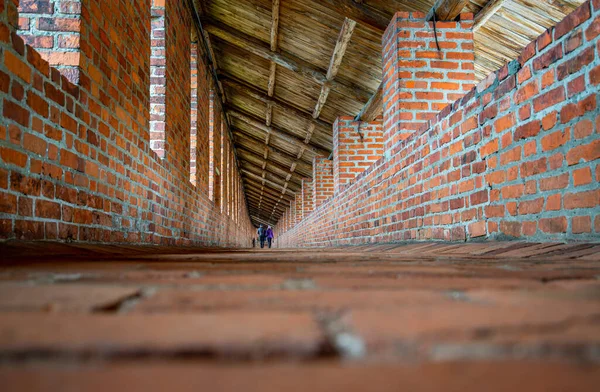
x: 432, y: 317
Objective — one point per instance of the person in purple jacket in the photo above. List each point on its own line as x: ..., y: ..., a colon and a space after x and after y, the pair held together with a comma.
x: 270, y: 235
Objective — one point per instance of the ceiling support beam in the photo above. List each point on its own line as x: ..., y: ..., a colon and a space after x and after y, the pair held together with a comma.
x: 253, y: 141
x: 293, y: 140
x: 447, y: 9
x: 248, y: 163
x: 271, y: 192
x: 334, y: 64
x: 373, y: 108
x: 360, y: 12
x: 487, y: 12
x: 285, y: 107
x: 259, y: 178
x: 284, y: 60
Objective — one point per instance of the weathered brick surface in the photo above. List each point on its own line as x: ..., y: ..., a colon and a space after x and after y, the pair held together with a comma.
x: 323, y: 186
x: 81, y: 153
x: 356, y: 145
x: 427, y: 316
x: 53, y: 28
x: 511, y: 159
x: 418, y: 79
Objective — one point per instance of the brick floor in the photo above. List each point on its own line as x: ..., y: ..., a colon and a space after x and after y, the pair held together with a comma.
x: 429, y: 316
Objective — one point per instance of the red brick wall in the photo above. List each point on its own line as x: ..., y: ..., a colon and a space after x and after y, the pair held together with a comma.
x: 52, y: 27
x: 516, y: 157
x: 194, y: 113
x: 307, y: 196
x: 419, y: 80
x: 356, y: 145
x: 322, y: 180
x: 75, y: 160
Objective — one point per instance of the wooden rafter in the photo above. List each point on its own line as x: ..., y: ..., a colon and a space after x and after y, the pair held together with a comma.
x: 285, y: 60
x: 373, y: 108
x: 293, y: 140
x: 334, y: 64
x: 256, y: 176
x: 250, y: 141
x: 364, y: 14
x: 249, y: 164
x: 285, y: 107
x: 271, y: 176
x: 447, y: 9
x: 487, y: 12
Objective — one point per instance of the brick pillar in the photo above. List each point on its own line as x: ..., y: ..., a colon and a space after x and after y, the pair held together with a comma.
x: 307, y: 196
x: 356, y: 145
x: 298, y: 207
x: 158, y: 81
x: 322, y: 180
x: 419, y: 81
x: 53, y: 28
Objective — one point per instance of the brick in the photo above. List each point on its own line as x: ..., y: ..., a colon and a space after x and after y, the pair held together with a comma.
x: 571, y: 21
x: 555, y: 182
x: 553, y: 225
x: 17, y: 66
x: 581, y: 224
x: 582, y: 176
x: 584, y: 153
x: 588, y: 199
x: 47, y: 209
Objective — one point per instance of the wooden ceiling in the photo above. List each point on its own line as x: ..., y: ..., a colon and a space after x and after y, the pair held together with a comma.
x: 288, y: 68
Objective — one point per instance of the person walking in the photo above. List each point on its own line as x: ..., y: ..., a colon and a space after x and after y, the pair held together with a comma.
x: 270, y: 235
x: 262, y: 235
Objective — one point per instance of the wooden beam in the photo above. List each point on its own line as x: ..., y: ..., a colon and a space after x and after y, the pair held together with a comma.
x: 272, y: 193
x: 275, y: 132
x: 269, y: 162
x: 256, y: 176
x: 362, y: 13
x: 267, y: 196
x: 260, y: 203
x: 265, y: 204
x: 373, y: 108
x: 271, y: 172
x: 487, y: 12
x: 287, y: 61
x: 252, y: 139
x: 334, y: 63
x: 251, y: 167
x: 285, y: 107
x: 340, y: 47
x: 274, y: 25
x: 447, y: 9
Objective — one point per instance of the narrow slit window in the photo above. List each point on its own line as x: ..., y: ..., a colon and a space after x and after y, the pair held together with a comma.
x: 158, y: 81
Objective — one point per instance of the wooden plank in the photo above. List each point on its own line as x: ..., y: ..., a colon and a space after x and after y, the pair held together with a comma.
x: 321, y: 101
x: 250, y: 140
x: 447, y: 9
x: 276, y: 132
x: 364, y: 14
x: 487, y: 12
x: 269, y: 162
x: 246, y: 161
x: 274, y: 25
x: 259, y: 178
x: 340, y: 47
x: 272, y: 176
x: 373, y: 108
x: 285, y: 107
x: 268, y: 189
x: 282, y: 59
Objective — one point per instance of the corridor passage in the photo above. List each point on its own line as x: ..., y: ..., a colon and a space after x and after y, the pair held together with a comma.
x: 431, y: 316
